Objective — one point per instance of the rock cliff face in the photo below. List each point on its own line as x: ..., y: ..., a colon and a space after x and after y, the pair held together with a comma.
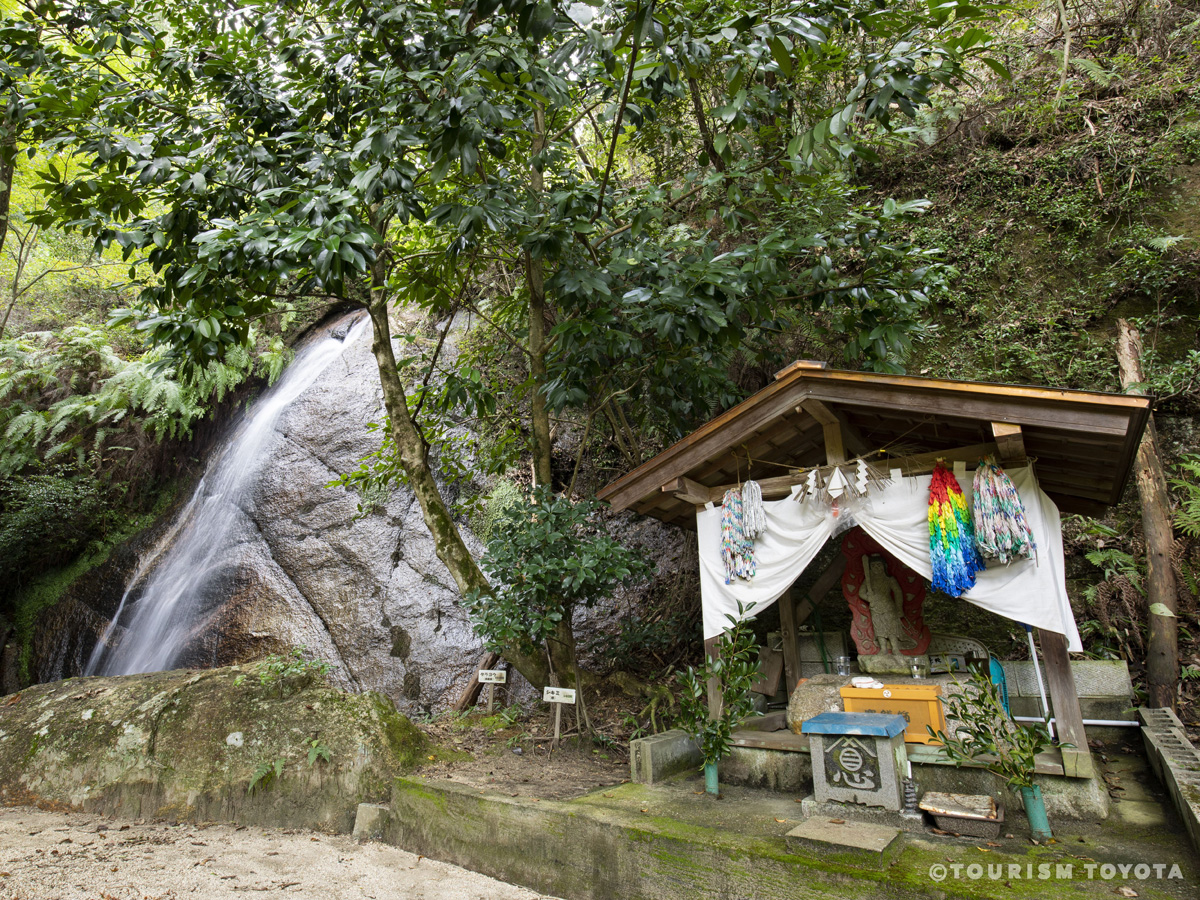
x: 299, y: 566
x: 367, y: 594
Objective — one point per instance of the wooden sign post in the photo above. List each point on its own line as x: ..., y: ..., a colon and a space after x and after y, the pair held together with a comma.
x: 492, y: 677
x: 558, y: 696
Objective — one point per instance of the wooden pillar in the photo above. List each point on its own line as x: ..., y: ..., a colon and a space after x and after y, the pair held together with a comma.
x: 1077, y: 760
x: 1162, y: 646
x: 715, y: 697
x: 787, y: 630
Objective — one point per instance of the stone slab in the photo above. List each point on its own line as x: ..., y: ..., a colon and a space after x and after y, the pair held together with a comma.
x: 658, y: 757
x: 865, y: 841
x: 1093, y: 678
x: 371, y: 822
x: 811, y: 807
x: 859, y: 769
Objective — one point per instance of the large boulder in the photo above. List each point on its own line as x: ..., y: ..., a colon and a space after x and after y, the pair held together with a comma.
x: 215, y: 745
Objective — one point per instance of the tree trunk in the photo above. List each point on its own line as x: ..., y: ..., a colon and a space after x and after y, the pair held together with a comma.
x: 7, y: 172
x: 702, y: 124
x: 1162, y: 650
x: 410, y: 445
x: 539, y: 415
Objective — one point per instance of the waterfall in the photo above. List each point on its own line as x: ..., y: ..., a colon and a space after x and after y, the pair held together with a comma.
x: 189, y: 559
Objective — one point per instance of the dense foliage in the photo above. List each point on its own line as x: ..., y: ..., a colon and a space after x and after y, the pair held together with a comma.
x: 639, y: 208
x: 734, y: 667
x: 548, y: 555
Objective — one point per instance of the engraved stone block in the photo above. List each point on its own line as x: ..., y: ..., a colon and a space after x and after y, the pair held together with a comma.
x: 858, y: 758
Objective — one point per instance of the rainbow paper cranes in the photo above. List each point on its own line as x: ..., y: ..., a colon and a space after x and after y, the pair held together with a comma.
x: 952, y: 550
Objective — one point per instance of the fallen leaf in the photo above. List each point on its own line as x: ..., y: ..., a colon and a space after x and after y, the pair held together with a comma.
x: 983, y: 849
x: 837, y: 821
x: 781, y: 820
x: 1125, y: 892
x: 990, y: 844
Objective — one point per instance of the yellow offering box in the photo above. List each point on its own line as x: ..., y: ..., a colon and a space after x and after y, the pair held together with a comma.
x: 918, y: 703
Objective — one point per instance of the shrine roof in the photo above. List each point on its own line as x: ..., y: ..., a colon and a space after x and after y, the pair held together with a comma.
x: 1082, y: 443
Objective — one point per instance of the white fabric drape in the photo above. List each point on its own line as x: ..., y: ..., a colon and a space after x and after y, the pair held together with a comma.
x: 1032, y: 591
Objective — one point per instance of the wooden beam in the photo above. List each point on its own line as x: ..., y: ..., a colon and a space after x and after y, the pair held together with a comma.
x: 920, y: 464
x: 1010, y: 441
x: 688, y: 491
x: 829, y: 416
x: 1068, y: 719
x: 822, y: 586
x: 800, y: 364
x: 835, y: 447
x: 1044, y: 412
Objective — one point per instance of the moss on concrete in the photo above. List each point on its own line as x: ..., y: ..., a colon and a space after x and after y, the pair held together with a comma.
x: 639, y: 841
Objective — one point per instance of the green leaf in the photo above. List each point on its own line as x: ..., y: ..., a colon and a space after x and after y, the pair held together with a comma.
x: 1160, y: 609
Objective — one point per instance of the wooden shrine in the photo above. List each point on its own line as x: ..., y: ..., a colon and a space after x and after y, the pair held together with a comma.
x: 1083, y: 444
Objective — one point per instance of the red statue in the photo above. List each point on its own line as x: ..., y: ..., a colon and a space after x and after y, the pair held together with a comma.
x: 885, y: 597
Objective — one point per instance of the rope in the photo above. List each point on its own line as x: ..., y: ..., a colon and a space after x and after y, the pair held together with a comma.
x: 1001, y: 529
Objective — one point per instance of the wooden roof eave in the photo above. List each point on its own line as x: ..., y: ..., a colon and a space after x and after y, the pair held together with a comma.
x: 1113, y: 415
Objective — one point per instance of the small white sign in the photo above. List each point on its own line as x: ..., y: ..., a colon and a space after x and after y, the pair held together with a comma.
x: 558, y: 695
x: 493, y: 676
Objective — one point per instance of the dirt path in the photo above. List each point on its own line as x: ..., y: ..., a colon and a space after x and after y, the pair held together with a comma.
x: 73, y: 856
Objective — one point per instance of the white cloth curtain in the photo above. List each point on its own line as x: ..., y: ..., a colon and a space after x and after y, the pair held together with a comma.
x: 1032, y: 591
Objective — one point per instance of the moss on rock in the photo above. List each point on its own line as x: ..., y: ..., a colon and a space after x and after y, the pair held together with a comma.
x: 189, y: 745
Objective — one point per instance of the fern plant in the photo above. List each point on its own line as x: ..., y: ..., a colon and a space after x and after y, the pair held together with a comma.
x: 1187, y: 514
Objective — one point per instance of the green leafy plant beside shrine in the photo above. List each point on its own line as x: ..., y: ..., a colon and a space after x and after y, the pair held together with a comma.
x: 735, y: 667
x: 987, y: 735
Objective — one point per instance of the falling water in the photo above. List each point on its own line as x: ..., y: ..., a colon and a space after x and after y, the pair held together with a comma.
x: 190, y: 557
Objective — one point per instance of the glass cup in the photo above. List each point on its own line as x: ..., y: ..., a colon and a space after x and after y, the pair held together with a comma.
x: 915, y: 668
x: 843, y: 665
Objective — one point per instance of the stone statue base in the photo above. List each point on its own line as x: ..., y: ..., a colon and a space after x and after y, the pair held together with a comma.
x: 892, y: 664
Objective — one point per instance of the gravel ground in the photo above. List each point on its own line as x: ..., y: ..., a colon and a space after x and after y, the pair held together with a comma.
x: 73, y: 856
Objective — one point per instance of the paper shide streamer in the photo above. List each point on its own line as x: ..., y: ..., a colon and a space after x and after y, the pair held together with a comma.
x: 1001, y: 530
x: 952, y: 552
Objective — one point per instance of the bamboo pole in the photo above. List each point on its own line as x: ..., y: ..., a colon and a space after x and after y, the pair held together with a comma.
x: 1162, y: 647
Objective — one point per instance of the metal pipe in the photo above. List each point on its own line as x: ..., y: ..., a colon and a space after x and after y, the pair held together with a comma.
x: 1113, y: 723
x: 1037, y: 668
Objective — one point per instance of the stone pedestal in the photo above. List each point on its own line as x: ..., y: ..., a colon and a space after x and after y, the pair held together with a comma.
x: 892, y: 664
x: 858, y: 758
